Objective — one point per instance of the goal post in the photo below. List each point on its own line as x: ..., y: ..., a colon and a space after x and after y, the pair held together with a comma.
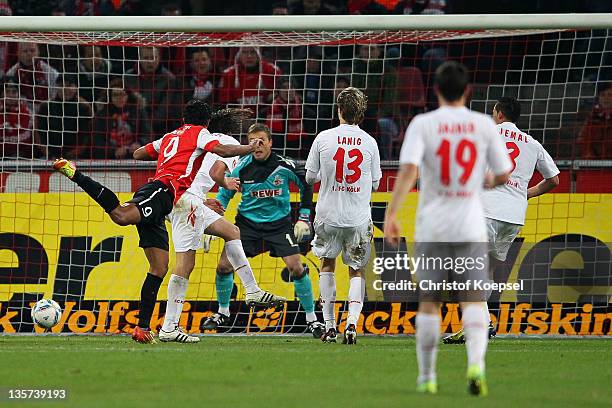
x: 93, y: 88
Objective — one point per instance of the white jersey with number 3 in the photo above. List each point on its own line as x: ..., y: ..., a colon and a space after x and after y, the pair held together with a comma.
x: 452, y: 147
x: 203, y: 182
x: 347, y: 160
x: 508, y: 202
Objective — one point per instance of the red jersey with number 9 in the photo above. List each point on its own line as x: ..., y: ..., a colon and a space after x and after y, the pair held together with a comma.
x: 179, y: 156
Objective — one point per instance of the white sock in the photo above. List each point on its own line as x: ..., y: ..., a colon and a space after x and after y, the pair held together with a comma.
x: 240, y: 263
x: 327, y: 288
x: 356, y: 294
x: 177, y: 287
x: 310, y: 317
x: 475, y: 326
x: 224, y: 310
x: 427, y: 338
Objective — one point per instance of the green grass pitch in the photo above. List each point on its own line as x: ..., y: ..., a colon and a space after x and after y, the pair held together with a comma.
x: 265, y: 371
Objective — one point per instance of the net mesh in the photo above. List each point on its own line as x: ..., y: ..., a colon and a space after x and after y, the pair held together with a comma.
x: 95, y: 97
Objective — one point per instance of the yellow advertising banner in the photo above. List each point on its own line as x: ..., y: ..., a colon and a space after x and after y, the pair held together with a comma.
x: 66, y: 229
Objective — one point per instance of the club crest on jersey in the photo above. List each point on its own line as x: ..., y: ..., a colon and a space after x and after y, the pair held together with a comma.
x: 267, y: 193
x: 278, y: 180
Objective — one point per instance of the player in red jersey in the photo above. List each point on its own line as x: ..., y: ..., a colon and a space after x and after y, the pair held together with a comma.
x: 179, y: 155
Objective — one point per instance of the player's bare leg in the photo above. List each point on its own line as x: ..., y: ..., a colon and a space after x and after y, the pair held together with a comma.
x: 126, y: 214
x: 355, y: 298
x: 459, y: 337
x: 475, y: 325
x: 158, y: 267
x: 233, y: 254
x: 177, y: 288
x: 303, y: 289
x: 327, y: 289
x: 427, y: 338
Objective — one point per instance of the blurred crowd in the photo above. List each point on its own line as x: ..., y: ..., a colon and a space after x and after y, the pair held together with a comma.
x: 105, y: 102
x: 299, y: 7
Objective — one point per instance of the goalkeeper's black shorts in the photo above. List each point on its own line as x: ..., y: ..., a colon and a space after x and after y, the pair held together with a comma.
x: 276, y: 237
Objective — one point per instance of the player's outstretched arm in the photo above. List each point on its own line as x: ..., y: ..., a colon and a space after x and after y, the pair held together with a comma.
x: 236, y: 150
x: 142, y: 154
x: 543, y: 187
x: 217, y: 174
x: 406, y: 179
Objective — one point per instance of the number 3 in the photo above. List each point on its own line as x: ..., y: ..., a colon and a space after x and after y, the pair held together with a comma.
x: 513, y: 152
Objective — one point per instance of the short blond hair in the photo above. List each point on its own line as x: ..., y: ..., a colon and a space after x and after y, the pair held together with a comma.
x: 352, y: 103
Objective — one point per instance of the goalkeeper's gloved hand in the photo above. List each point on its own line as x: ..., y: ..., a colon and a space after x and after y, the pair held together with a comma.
x: 303, y: 229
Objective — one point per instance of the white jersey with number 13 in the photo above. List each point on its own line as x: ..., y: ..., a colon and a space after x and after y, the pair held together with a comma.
x: 347, y: 160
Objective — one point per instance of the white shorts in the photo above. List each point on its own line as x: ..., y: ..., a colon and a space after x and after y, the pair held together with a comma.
x: 189, y: 218
x: 500, y: 235
x: 353, y: 242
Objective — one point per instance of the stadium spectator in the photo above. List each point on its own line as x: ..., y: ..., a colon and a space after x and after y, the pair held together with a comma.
x: 159, y: 89
x: 594, y: 138
x: 280, y: 9
x: 249, y: 81
x: 366, y: 7
x: 420, y: 7
x: 6, y: 48
x: 121, y: 127
x: 63, y: 124
x: 94, y: 73
x: 316, y: 7
x: 327, y: 107
x: 16, y: 122
x: 36, y: 78
x: 88, y: 7
x: 284, y: 117
x: 200, y: 82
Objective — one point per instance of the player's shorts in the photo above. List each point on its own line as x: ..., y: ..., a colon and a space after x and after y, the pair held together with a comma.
x: 448, y: 262
x: 276, y: 237
x: 353, y: 242
x: 154, y: 201
x: 189, y: 218
x: 501, y: 234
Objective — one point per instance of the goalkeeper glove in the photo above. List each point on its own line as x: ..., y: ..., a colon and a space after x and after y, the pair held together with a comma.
x: 302, y: 229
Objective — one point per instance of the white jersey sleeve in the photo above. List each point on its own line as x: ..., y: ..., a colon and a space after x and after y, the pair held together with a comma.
x: 413, y: 145
x: 157, y: 144
x: 206, y: 140
x: 497, y: 156
x: 313, y: 162
x: 376, y: 171
x: 546, y: 165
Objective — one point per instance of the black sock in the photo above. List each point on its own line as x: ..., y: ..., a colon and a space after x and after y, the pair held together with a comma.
x: 148, y: 297
x: 102, y: 195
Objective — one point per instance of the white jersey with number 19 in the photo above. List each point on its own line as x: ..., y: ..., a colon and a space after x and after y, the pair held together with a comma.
x: 508, y: 202
x: 452, y: 146
x: 347, y: 160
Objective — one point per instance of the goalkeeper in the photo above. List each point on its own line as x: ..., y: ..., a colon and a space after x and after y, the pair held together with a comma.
x: 264, y: 219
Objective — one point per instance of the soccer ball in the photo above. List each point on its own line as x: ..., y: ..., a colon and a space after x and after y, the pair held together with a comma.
x: 46, y: 313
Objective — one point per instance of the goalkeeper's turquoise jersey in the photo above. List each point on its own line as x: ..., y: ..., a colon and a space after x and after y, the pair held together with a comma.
x: 265, y: 188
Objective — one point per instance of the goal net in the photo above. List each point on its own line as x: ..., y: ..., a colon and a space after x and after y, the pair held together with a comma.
x: 94, y: 96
